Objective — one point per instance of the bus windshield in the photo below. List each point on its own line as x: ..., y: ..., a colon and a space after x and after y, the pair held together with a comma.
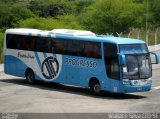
x: 138, y: 67
x: 135, y: 48
x: 138, y: 61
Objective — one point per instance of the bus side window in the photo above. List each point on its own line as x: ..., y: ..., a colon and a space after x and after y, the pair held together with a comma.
x: 88, y: 50
x: 10, y: 42
x: 17, y: 39
x: 32, y: 43
x: 75, y: 48
x: 96, y: 50
x: 16, y: 42
x: 53, y: 47
x: 92, y: 50
x: 47, y: 45
x: 43, y: 44
x: 79, y: 48
x: 58, y: 46
x: 24, y: 43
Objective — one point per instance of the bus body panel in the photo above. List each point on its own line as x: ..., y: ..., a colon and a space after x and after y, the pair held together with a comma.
x: 73, y: 70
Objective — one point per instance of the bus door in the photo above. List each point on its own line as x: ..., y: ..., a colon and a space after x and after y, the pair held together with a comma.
x: 112, y: 66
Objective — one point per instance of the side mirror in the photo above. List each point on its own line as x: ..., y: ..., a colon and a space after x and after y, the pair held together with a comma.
x: 122, y: 59
x: 154, y: 58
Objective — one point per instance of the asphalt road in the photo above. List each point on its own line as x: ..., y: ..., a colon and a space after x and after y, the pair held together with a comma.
x: 17, y: 96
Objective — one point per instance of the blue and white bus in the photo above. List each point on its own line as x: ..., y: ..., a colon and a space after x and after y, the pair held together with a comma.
x: 79, y: 58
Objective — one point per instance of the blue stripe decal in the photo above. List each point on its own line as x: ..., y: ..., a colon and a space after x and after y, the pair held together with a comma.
x: 54, y: 55
x: 29, y: 34
x: 37, y: 58
x: 45, y: 55
x: 39, y: 34
x: 49, y: 35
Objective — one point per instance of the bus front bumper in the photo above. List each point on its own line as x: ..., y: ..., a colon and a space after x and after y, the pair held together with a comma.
x: 132, y: 89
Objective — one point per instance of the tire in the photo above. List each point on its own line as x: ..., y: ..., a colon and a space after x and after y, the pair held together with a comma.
x: 30, y: 78
x: 95, y: 88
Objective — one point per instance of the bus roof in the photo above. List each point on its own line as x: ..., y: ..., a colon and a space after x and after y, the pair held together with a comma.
x: 110, y: 39
x: 78, y: 35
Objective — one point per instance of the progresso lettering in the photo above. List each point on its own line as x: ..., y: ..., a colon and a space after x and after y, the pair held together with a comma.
x: 81, y: 62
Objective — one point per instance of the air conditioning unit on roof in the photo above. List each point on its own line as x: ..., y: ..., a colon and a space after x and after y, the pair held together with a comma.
x: 73, y: 32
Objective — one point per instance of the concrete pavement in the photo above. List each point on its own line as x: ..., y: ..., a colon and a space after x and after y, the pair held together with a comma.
x: 17, y: 96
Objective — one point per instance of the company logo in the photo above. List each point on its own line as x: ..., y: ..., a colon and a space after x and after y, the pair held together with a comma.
x: 20, y: 55
x: 50, y: 68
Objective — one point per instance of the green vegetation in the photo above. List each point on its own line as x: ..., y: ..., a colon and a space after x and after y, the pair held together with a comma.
x: 99, y: 16
x: 1, y: 47
x: 113, y: 16
x: 65, y: 21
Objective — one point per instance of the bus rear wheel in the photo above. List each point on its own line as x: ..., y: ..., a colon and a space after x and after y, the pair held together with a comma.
x: 30, y: 77
x: 95, y: 87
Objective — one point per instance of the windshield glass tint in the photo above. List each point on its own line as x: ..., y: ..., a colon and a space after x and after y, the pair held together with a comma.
x: 136, y: 48
x: 138, y: 67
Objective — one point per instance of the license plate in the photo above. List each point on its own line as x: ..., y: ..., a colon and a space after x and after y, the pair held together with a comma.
x: 139, y: 89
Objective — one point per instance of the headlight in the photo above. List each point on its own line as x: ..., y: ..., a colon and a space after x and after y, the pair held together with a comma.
x: 125, y: 81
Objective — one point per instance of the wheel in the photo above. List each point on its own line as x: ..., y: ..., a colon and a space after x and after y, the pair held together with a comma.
x: 30, y: 77
x: 95, y: 88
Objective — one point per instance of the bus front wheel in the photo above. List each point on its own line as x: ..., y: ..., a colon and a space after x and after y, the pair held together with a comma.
x: 30, y: 76
x: 95, y: 87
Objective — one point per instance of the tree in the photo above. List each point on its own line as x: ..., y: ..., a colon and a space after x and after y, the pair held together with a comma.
x: 65, y: 21
x: 10, y: 14
x: 154, y: 10
x: 110, y: 16
x: 49, y: 8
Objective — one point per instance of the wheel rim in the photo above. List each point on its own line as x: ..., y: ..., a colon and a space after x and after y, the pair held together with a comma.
x: 30, y: 77
x: 97, y: 88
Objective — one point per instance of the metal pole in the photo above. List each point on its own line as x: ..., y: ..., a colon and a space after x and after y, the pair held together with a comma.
x: 138, y: 34
x: 129, y: 34
x: 147, y: 36
x: 155, y: 37
x: 118, y: 34
x: 146, y: 21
